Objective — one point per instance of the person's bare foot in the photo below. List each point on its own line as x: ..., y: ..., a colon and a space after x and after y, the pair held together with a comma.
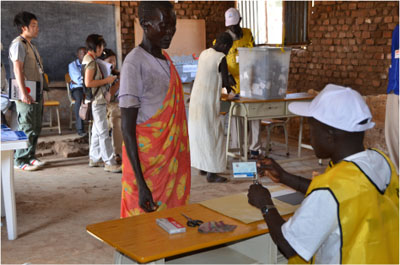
x: 118, y: 159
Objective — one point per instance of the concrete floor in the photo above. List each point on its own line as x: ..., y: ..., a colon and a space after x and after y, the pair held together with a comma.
x: 54, y: 206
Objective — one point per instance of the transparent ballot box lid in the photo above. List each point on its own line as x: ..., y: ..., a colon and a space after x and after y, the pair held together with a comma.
x: 264, y: 72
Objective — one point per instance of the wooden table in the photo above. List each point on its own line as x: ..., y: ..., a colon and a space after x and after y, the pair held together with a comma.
x: 140, y: 239
x: 258, y: 109
x: 7, y: 182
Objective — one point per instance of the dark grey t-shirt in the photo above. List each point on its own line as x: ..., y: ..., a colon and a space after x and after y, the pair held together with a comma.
x: 144, y: 83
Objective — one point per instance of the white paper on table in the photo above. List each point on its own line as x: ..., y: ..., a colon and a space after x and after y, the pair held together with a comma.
x: 281, y: 192
x: 236, y: 206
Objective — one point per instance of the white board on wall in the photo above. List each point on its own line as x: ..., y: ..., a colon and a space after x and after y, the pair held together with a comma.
x: 189, y: 38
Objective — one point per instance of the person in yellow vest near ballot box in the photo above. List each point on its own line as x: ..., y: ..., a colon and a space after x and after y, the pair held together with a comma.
x: 350, y: 213
x: 242, y: 37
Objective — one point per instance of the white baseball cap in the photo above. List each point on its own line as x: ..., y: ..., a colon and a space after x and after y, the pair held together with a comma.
x: 337, y: 106
x: 232, y: 17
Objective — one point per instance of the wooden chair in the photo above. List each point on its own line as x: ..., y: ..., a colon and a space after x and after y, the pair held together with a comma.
x: 51, y: 104
x: 272, y: 123
x: 71, y: 100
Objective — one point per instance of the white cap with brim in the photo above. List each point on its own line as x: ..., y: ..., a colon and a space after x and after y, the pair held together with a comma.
x: 232, y: 17
x: 339, y: 107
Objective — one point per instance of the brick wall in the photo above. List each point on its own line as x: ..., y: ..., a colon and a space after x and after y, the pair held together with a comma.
x: 128, y: 14
x: 211, y: 11
x: 350, y: 46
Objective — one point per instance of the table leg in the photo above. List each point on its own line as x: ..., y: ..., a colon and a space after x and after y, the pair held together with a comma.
x: 239, y: 136
x: 228, y: 134
x: 245, y: 139
x: 7, y: 181
x: 3, y: 211
x: 300, y: 137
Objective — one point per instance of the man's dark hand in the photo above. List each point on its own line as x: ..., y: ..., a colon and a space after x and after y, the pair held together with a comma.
x: 259, y: 196
x: 269, y: 168
x: 146, y: 200
x: 231, y: 80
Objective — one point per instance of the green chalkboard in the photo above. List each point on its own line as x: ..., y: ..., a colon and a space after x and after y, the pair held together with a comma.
x: 63, y: 27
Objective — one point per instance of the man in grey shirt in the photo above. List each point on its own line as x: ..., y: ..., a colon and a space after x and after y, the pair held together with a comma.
x: 27, y: 65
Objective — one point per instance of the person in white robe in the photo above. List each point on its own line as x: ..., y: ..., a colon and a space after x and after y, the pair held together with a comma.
x: 206, y: 132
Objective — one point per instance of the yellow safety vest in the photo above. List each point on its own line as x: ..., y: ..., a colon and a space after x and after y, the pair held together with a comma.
x: 368, y: 219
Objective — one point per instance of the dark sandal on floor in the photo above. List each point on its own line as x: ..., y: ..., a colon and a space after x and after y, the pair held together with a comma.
x: 212, y: 177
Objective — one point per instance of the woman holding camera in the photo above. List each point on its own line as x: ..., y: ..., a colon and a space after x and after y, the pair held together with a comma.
x: 113, y: 110
x: 100, y: 149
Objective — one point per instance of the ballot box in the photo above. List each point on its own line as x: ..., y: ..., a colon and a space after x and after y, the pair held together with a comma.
x: 264, y: 72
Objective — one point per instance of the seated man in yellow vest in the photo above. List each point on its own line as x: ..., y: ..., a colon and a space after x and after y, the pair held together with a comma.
x: 351, y: 212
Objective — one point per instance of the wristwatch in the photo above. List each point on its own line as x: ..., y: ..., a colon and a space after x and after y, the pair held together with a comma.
x: 266, y: 208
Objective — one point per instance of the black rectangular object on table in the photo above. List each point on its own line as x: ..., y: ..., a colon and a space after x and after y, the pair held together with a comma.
x: 294, y: 198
